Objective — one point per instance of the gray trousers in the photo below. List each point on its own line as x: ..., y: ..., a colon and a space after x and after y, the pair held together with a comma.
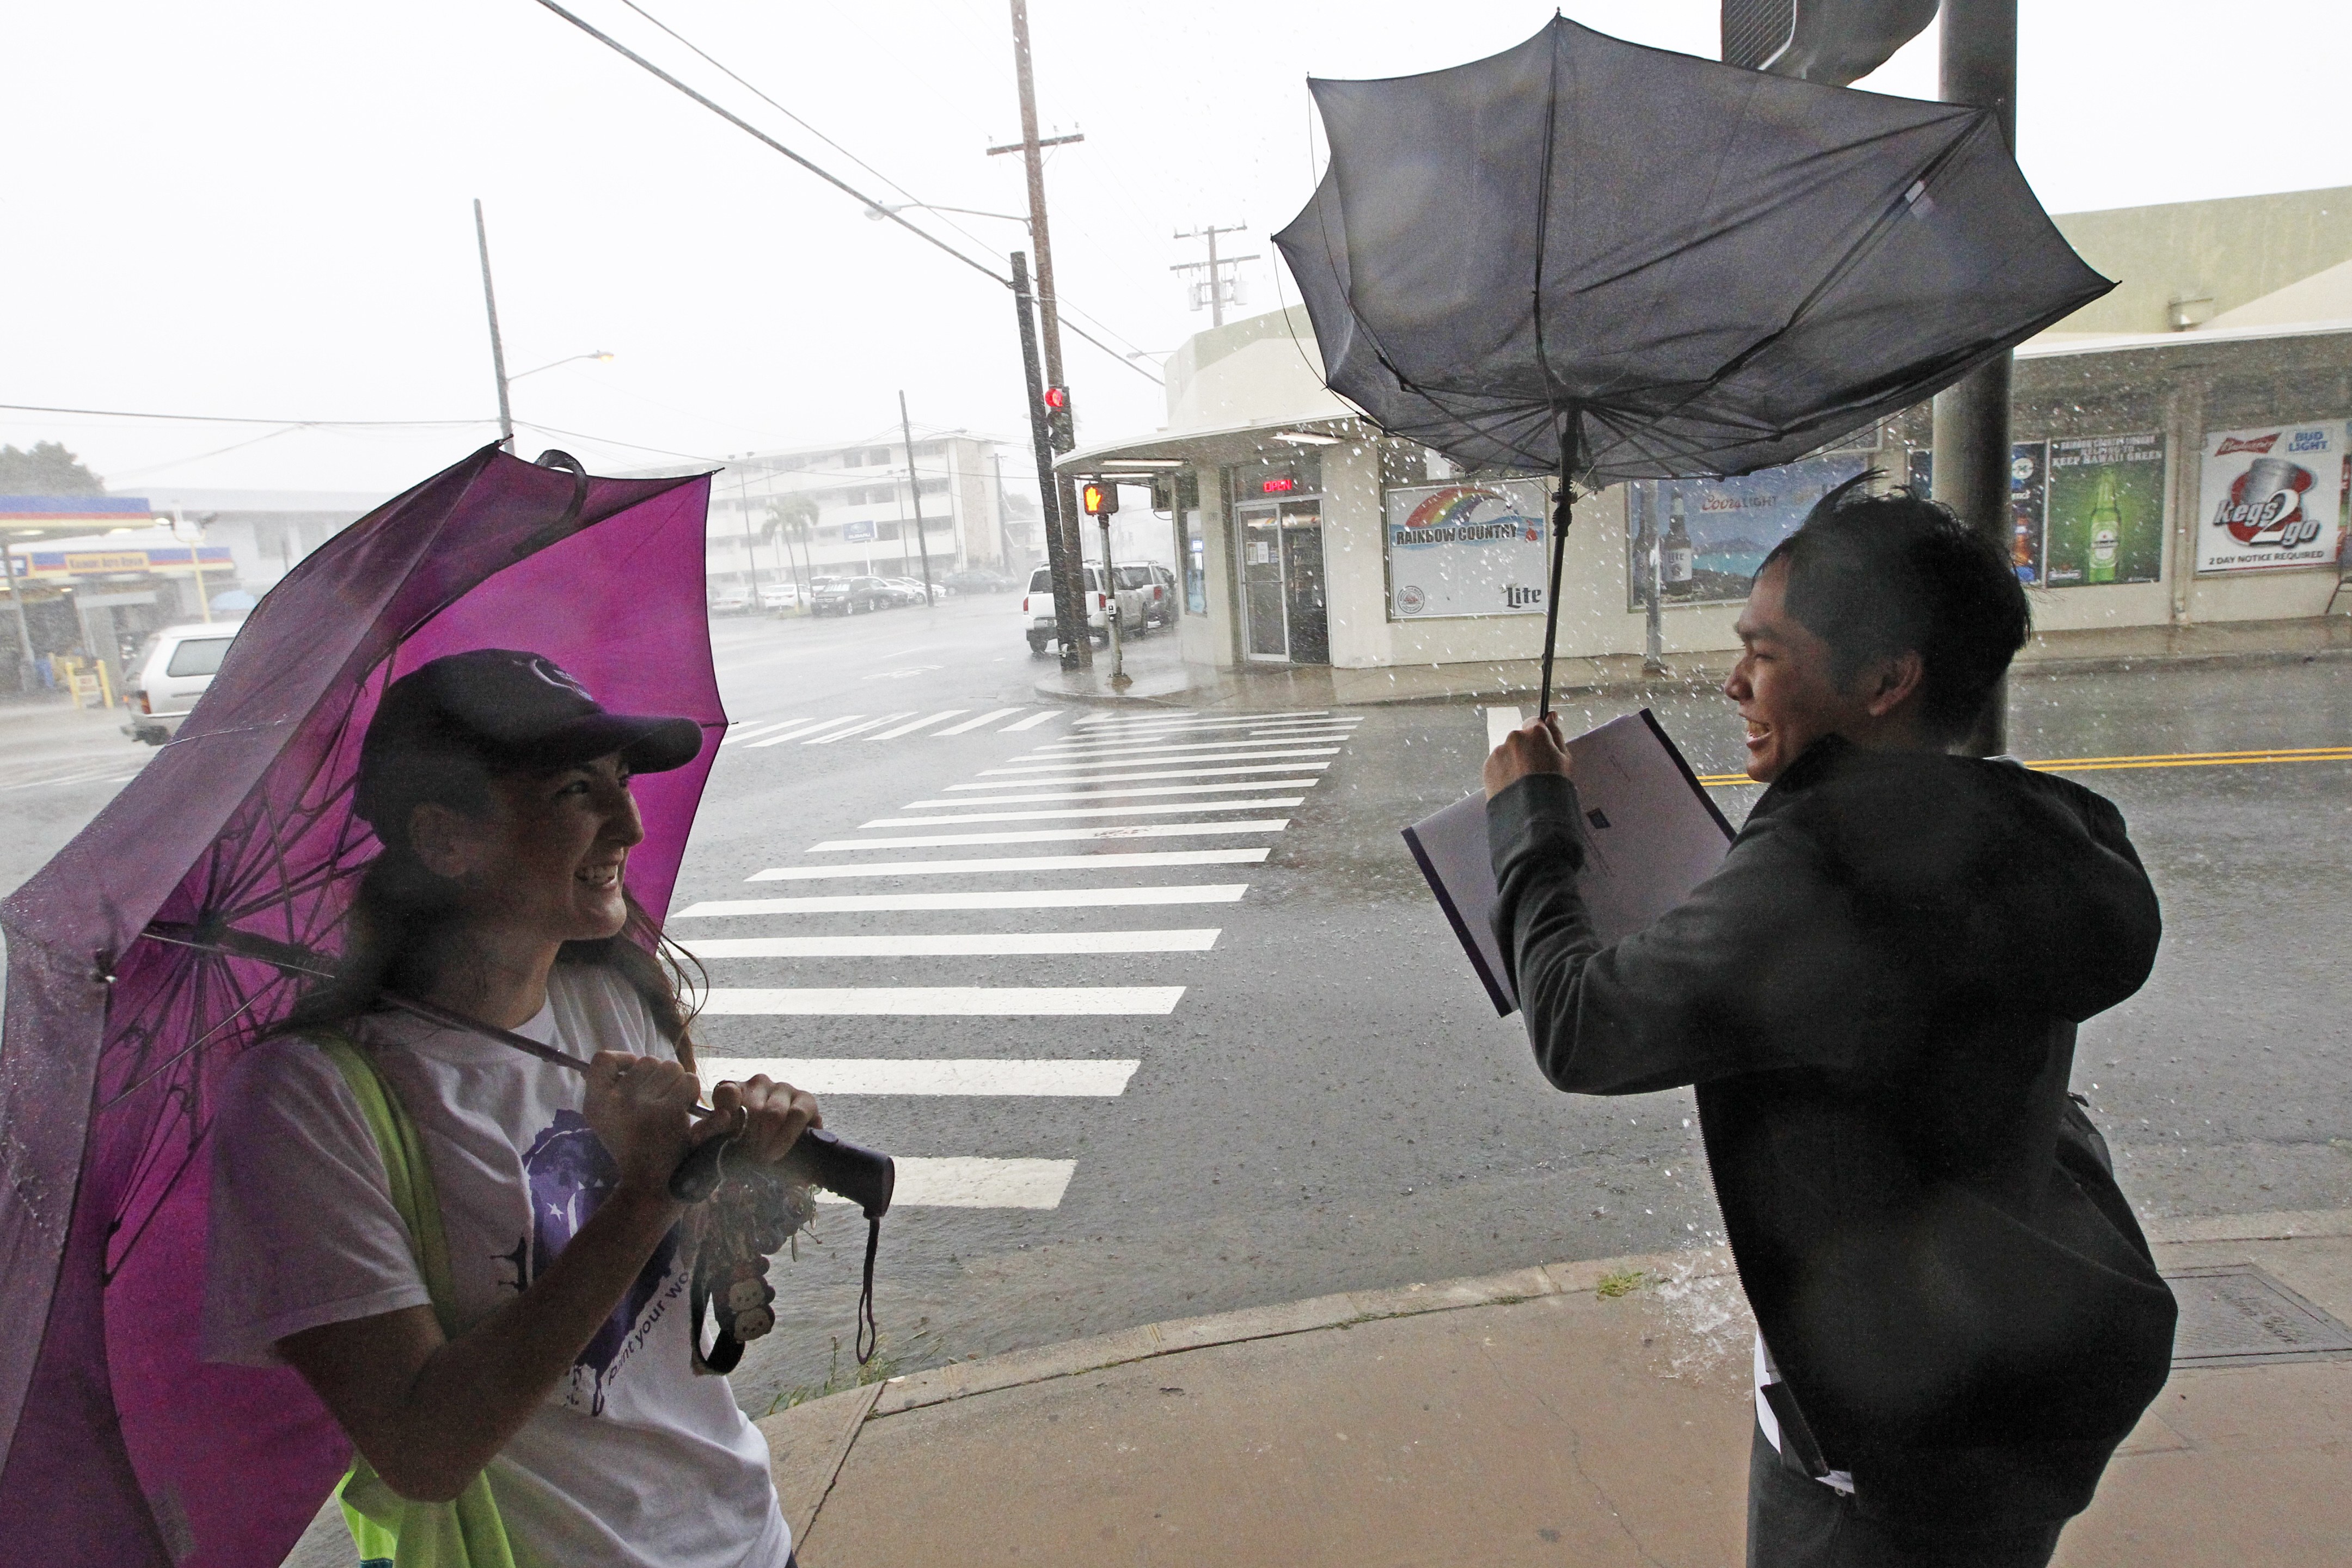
x: 1794, y: 1521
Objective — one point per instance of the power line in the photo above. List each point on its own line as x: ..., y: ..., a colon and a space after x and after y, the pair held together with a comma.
x: 828, y: 177
x: 236, y: 419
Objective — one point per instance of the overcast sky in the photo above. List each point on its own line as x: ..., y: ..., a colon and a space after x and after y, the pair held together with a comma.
x: 262, y: 207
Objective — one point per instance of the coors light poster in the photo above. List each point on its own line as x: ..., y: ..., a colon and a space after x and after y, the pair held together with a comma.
x: 2271, y: 497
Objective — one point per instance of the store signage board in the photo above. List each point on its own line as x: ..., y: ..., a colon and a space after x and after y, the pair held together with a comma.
x: 2106, y: 511
x: 2271, y: 497
x: 1469, y: 548
x: 861, y: 533
x: 1727, y: 526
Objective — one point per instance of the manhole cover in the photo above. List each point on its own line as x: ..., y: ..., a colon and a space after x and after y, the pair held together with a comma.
x: 2234, y: 1313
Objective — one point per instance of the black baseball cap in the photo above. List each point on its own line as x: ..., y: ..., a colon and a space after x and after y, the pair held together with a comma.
x: 507, y: 710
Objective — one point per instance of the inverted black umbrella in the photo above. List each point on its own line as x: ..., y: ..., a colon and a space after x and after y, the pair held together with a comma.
x: 1617, y: 262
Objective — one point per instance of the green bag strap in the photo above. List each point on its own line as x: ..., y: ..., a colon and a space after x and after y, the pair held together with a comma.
x: 388, y: 1530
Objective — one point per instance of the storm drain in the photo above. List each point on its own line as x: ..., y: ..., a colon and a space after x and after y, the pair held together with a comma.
x: 2233, y: 1314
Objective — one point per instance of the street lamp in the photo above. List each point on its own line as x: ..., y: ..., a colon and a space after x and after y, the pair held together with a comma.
x: 877, y: 214
x: 567, y: 359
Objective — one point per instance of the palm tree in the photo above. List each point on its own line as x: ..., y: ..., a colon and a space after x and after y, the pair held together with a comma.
x: 791, y: 519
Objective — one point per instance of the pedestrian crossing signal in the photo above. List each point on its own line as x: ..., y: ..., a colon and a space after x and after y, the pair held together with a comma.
x: 1100, y: 499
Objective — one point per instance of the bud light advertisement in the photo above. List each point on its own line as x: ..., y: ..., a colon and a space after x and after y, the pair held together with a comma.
x: 1469, y: 548
x: 2271, y: 497
x: 2105, y: 519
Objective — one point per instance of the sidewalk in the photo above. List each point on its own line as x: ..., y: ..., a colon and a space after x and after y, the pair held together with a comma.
x: 1590, y: 1414
x: 1159, y: 678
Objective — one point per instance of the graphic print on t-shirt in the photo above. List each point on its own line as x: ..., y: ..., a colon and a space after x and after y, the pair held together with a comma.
x: 571, y: 1174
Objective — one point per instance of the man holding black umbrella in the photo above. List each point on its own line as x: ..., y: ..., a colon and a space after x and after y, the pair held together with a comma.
x: 1876, y: 998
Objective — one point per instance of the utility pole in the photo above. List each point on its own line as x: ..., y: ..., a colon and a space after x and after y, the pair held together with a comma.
x: 498, y: 349
x: 1061, y: 517
x: 1978, y: 66
x: 1003, y: 533
x: 1215, y: 288
x: 914, y: 494
x: 1069, y: 575
x: 751, y: 540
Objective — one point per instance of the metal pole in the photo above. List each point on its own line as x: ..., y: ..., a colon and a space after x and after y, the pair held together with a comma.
x: 1654, y: 660
x: 1110, y: 614
x: 27, y: 670
x: 1048, y: 311
x: 1069, y: 582
x: 750, y: 545
x: 498, y: 349
x: 1971, y: 423
x: 1216, y: 284
x: 914, y: 490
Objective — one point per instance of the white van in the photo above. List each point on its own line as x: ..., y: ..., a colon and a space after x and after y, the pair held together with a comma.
x: 171, y: 672
x: 1037, y: 609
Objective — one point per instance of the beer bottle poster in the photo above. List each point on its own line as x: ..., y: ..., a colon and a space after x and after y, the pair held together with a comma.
x: 2105, y: 511
x: 2271, y: 497
x: 1468, y: 548
x: 2029, y: 473
x: 1713, y: 534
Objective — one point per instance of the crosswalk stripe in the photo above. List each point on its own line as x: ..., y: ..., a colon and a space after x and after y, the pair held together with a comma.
x: 103, y: 773
x: 1060, y: 1078
x: 895, y: 731
x: 1030, y: 722
x: 1501, y: 721
x: 1021, y: 898
x: 970, y: 1181
x: 1162, y: 808
x: 1051, y: 835
x: 1116, y: 777
x: 1098, y: 764
x: 1094, y: 754
x: 1094, y: 719
x: 1103, y: 862
x: 1123, y: 794
x: 795, y: 732
x: 826, y: 739
x: 960, y: 945
x: 971, y: 724
x: 940, y: 1001
x: 1204, y: 727
x: 741, y: 731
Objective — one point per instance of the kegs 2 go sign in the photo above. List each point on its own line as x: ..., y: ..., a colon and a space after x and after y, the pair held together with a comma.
x: 1468, y: 548
x: 2271, y: 497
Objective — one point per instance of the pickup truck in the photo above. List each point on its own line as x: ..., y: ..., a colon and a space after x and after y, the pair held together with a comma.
x: 1037, y: 609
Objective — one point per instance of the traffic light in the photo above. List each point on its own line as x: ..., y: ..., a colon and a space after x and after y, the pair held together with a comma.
x: 1099, y: 496
x: 1831, y: 41
x: 1060, y: 434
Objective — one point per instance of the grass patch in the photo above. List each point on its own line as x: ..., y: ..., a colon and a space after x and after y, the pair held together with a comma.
x: 1619, y: 1282
x: 881, y: 1368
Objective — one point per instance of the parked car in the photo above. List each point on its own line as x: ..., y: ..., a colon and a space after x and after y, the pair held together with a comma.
x: 981, y: 580
x: 1037, y: 608
x: 779, y: 595
x: 848, y: 595
x: 730, y: 601
x: 910, y: 589
x: 1158, y: 586
x: 170, y: 673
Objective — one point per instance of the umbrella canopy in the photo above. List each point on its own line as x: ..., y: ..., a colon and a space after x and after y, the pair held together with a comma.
x: 121, y: 1445
x: 1636, y: 264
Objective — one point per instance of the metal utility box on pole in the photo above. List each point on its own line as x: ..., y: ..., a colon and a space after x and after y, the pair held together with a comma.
x: 498, y: 349
x: 1069, y: 579
x: 1972, y: 424
x: 914, y: 495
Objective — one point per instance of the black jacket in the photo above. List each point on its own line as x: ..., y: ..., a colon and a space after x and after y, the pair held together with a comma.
x: 1876, y: 998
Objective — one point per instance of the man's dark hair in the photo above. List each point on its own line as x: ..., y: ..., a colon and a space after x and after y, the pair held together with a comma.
x: 1878, y: 575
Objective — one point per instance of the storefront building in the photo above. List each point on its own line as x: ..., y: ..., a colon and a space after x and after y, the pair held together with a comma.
x: 2169, y: 475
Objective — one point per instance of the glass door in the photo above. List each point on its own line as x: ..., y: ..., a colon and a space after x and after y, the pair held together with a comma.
x: 1266, y: 636
x: 1304, y: 610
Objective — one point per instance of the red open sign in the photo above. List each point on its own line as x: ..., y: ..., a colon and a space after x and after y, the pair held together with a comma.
x: 1277, y: 486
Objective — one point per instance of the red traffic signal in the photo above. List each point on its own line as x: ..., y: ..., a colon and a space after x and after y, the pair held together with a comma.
x: 1060, y: 433
x: 1058, y: 398
x: 1098, y: 497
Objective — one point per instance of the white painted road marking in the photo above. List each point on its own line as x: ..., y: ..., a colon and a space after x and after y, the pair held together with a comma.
x: 1021, y: 898
x: 1119, y: 793
x: 940, y: 1001
x: 1053, y: 835
x: 1108, y: 767
x: 1057, y: 1077
x: 1030, y: 722
x: 969, y: 1181
x: 1162, y: 809
x: 895, y: 731
x: 795, y: 732
x: 827, y: 740
x: 958, y: 944
x: 1088, y: 778
x: 1089, y: 753
x: 971, y: 724
x: 1501, y: 721
x: 1103, y: 862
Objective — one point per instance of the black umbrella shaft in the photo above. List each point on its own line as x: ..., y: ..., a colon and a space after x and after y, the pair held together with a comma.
x: 1562, y: 514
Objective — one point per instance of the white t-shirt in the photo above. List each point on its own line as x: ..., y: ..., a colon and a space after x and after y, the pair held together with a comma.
x: 632, y: 1461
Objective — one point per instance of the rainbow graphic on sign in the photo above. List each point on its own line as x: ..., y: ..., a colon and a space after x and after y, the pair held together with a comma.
x: 1465, y: 514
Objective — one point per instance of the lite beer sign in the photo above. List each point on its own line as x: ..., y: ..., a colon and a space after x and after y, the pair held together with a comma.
x: 1467, y: 550
x: 2273, y: 498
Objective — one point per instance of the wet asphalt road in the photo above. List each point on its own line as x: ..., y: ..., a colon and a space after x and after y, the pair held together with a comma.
x: 1331, y: 1103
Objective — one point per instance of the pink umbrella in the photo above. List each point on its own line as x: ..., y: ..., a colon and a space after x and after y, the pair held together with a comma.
x: 121, y: 1448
